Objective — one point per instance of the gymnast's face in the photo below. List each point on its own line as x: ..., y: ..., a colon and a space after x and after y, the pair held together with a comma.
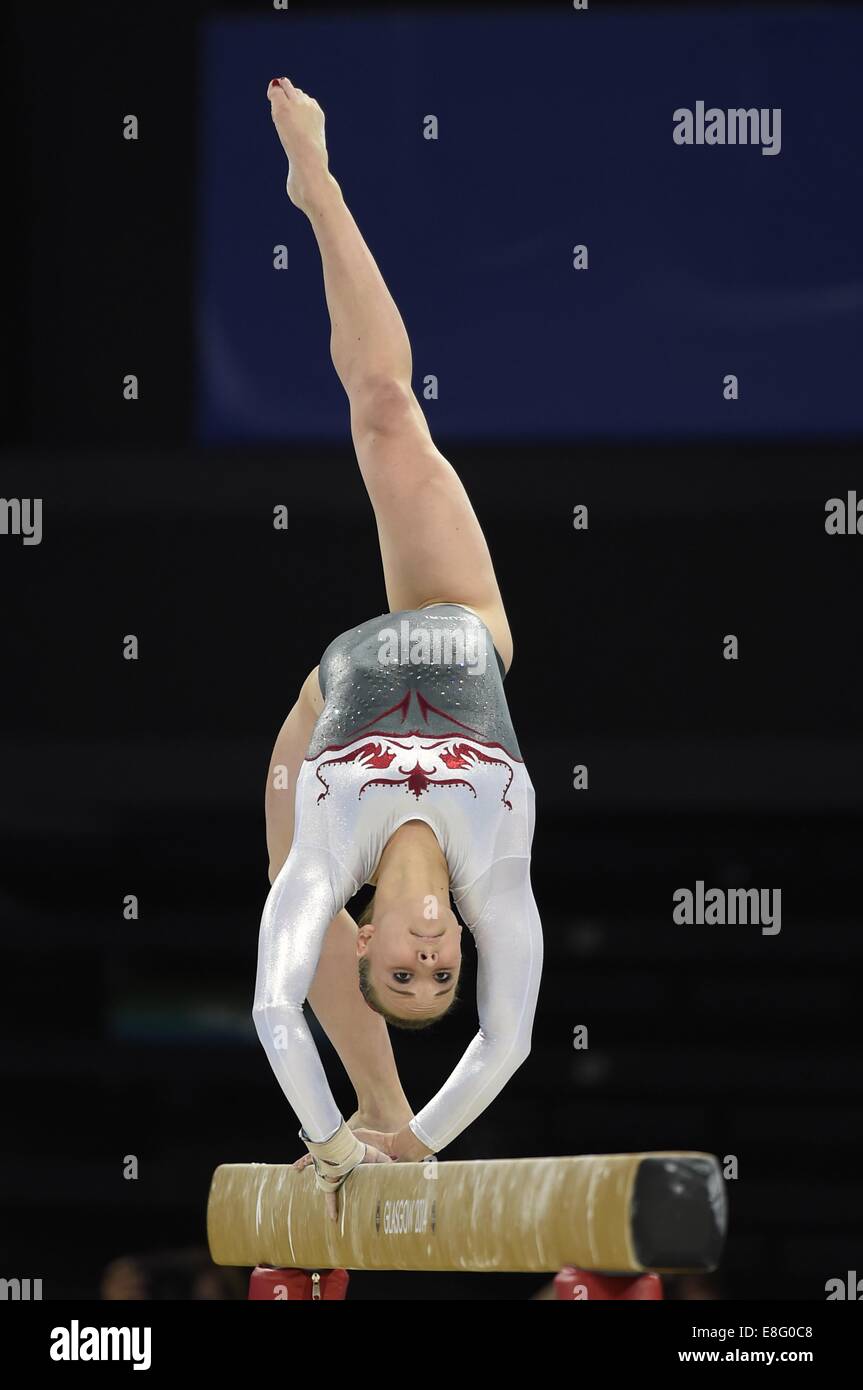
x: 413, y: 963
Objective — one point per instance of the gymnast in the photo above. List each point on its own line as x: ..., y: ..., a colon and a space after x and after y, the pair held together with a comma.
x: 397, y: 767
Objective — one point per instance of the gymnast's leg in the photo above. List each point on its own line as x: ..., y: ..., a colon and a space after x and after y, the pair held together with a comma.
x: 431, y: 543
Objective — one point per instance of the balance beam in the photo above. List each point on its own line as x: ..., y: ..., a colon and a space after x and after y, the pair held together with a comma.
x: 614, y: 1213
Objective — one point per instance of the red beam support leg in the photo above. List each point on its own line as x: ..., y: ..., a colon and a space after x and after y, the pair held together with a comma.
x: 577, y: 1285
x: 297, y: 1285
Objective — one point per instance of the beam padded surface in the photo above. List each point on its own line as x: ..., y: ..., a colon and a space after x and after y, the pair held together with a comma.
x: 617, y: 1213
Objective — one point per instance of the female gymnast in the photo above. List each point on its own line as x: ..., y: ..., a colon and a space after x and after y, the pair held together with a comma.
x: 397, y: 766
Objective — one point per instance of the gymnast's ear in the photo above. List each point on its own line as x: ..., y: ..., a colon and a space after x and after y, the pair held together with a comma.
x: 364, y: 938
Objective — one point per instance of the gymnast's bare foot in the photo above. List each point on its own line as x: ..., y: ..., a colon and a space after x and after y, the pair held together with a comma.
x: 299, y: 122
x: 387, y: 1120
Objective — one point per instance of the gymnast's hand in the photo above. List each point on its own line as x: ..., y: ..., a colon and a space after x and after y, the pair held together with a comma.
x: 372, y: 1155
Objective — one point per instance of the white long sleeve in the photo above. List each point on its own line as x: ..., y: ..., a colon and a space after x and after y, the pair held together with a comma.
x: 310, y: 890
x: 508, y: 937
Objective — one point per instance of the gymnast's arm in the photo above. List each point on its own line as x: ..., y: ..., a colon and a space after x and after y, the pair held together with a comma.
x: 508, y: 936
x: 310, y: 890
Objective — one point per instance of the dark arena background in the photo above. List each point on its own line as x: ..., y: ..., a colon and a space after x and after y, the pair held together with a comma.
x: 644, y: 359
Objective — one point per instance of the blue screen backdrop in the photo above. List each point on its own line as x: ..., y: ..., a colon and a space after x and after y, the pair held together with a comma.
x: 555, y: 129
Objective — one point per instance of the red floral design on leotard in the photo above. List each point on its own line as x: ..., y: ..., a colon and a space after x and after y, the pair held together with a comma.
x: 417, y: 779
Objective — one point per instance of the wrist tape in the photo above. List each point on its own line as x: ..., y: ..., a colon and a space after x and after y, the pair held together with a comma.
x: 335, y: 1158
